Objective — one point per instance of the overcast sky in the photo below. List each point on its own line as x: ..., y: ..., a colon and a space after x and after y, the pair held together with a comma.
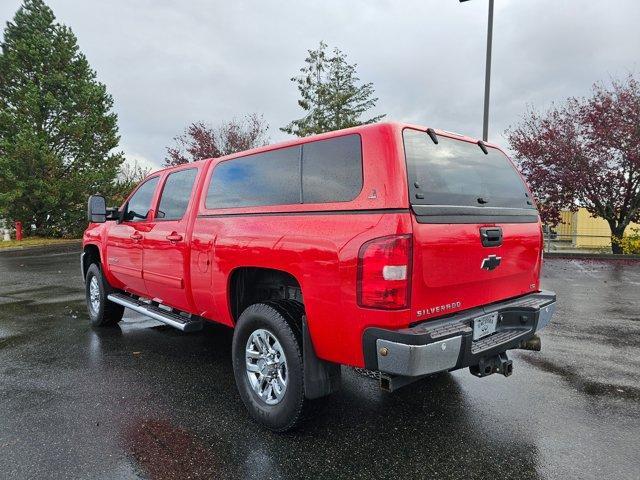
x: 169, y: 63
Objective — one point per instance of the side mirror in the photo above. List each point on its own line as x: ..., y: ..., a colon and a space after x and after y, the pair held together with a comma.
x: 96, y: 209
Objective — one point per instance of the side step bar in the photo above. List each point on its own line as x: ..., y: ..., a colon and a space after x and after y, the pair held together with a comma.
x: 174, y: 320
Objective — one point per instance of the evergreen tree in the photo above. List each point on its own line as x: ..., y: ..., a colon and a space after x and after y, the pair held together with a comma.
x: 57, y: 130
x: 330, y: 94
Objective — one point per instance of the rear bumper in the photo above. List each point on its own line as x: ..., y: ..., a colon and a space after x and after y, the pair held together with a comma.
x: 447, y: 344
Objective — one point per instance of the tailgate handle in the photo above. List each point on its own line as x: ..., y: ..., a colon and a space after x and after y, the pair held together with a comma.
x: 491, y: 236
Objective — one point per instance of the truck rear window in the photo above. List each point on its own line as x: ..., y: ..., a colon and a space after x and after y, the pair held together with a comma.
x: 458, y: 173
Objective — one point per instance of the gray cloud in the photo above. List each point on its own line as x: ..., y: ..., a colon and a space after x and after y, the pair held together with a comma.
x: 170, y: 63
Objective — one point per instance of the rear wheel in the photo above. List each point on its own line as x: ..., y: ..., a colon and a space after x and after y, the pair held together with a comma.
x: 267, y: 363
x: 102, y: 312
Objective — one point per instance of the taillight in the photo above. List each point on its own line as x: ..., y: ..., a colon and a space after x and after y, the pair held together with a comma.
x: 384, y: 272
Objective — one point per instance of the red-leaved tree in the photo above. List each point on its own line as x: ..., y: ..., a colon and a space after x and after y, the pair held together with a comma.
x: 200, y: 141
x: 585, y: 153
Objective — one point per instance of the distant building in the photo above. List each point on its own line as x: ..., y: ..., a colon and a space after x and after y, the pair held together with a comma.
x: 584, y: 231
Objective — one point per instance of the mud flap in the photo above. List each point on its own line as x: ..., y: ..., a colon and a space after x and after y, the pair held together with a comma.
x: 320, y: 377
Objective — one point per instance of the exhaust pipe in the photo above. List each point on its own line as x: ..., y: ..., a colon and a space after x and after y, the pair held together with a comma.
x: 534, y: 344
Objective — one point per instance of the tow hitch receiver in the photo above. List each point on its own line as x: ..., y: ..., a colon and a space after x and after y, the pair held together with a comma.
x: 498, y: 364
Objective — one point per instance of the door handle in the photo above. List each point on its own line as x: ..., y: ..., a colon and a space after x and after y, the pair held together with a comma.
x: 136, y: 237
x: 174, y: 237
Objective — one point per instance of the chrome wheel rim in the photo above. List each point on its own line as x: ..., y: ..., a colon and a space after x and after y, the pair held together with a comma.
x: 266, y: 366
x: 94, y: 294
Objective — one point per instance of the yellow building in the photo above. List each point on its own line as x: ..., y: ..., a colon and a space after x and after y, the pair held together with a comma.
x: 584, y: 231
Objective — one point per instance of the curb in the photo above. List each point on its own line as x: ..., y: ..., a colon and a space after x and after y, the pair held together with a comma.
x: 66, y: 247
x: 590, y: 256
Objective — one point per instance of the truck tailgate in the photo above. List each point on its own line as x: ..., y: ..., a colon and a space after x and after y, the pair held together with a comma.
x: 453, y: 271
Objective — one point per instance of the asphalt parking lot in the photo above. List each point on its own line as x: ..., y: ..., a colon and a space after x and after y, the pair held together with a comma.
x: 146, y: 401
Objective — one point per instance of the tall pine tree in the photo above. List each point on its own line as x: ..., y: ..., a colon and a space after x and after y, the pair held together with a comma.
x: 330, y: 94
x: 57, y: 130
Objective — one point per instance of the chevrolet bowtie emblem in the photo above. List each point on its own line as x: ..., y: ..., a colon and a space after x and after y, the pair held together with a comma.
x: 491, y: 262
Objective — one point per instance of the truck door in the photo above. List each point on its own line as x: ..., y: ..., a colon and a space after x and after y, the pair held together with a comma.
x: 124, y: 240
x: 166, y: 246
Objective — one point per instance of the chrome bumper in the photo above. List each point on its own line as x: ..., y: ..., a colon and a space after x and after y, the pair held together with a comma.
x: 417, y: 360
x: 545, y: 315
x: 442, y: 345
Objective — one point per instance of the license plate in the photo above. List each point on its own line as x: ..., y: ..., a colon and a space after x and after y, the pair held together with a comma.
x: 484, y: 325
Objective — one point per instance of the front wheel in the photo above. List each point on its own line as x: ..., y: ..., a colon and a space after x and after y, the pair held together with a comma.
x: 102, y: 312
x: 267, y: 363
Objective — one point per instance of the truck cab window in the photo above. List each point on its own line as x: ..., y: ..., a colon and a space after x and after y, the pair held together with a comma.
x: 140, y: 202
x: 176, y: 193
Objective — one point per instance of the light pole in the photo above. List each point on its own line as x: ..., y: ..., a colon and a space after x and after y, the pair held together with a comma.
x: 487, y: 74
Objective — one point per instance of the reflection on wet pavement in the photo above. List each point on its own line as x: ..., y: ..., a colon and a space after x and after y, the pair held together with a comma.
x: 142, y: 400
x: 167, y: 452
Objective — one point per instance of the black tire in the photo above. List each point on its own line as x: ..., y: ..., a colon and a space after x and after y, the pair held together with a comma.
x: 281, y: 318
x: 106, y: 313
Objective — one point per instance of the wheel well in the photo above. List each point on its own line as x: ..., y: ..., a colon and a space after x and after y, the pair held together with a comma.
x: 91, y: 255
x: 249, y: 285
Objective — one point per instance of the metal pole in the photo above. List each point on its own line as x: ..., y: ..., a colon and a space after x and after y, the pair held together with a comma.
x: 487, y: 77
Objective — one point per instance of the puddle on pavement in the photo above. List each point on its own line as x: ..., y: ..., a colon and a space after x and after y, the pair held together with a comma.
x: 26, y: 397
x: 615, y: 335
x: 43, y: 295
x: 610, y: 390
x: 42, y: 291
x: 12, y: 340
x: 28, y: 308
x: 583, y: 385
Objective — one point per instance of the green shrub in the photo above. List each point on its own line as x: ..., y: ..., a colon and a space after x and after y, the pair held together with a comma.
x: 631, y: 242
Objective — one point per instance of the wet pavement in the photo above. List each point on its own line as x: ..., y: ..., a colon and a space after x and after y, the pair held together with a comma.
x: 146, y: 401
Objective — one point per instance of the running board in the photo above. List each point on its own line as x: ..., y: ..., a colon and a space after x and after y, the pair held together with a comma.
x: 174, y: 320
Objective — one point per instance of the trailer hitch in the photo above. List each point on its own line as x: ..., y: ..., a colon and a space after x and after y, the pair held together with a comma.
x: 498, y: 364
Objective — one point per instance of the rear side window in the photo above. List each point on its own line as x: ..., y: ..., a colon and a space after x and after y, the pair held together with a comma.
x: 140, y: 203
x: 317, y: 172
x: 270, y: 178
x: 455, y: 172
x: 176, y: 194
x: 332, y: 170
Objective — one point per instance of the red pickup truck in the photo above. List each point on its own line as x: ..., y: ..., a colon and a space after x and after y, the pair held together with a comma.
x: 394, y: 248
